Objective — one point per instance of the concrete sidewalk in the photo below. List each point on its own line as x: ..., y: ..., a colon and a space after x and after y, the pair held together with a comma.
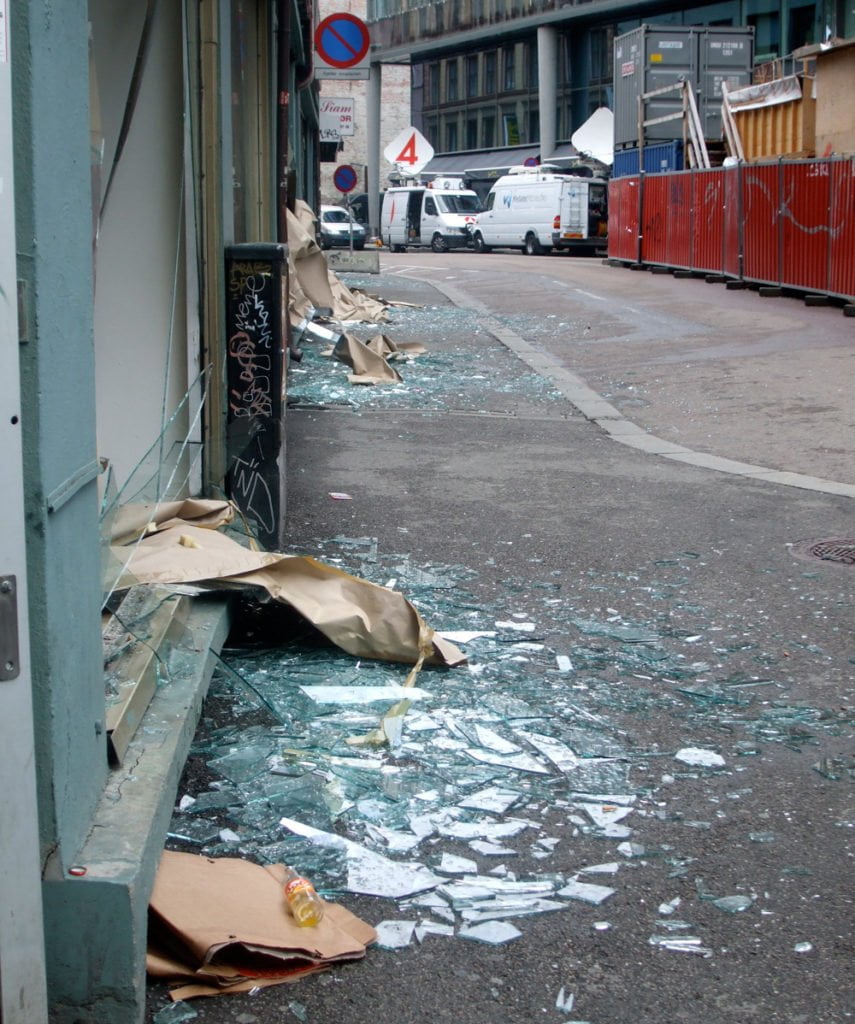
x: 662, y: 606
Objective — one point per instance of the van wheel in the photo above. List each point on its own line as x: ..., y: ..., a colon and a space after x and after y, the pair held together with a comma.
x: 532, y: 245
x: 437, y: 243
x: 480, y: 244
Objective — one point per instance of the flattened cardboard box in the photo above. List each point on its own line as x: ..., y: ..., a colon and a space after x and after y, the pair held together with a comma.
x: 223, y: 925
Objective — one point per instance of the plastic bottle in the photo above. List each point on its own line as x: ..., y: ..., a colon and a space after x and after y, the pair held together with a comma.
x: 307, y: 908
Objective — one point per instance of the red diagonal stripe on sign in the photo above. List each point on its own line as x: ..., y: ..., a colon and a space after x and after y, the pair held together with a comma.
x: 344, y: 42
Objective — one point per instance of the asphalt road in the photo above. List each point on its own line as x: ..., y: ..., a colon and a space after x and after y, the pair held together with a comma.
x: 684, y: 597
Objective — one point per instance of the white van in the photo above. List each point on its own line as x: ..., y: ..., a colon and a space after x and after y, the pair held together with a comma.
x: 439, y: 214
x: 537, y: 209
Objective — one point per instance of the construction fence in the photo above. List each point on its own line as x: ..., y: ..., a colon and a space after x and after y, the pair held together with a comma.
x: 788, y: 223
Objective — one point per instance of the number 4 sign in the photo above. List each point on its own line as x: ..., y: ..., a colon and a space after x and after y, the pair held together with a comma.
x: 410, y: 151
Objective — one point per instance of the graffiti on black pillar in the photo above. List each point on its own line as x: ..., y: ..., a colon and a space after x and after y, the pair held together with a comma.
x: 254, y: 368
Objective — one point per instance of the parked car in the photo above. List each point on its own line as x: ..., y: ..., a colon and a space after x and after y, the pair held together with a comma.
x: 336, y: 227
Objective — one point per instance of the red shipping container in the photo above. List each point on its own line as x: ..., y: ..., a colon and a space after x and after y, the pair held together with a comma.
x: 708, y: 248
x: 805, y: 205
x: 761, y: 231
x: 842, y: 233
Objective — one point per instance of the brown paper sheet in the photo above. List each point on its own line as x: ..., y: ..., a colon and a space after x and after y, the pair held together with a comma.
x: 362, y: 618
x: 313, y: 283
x: 366, y: 362
x: 133, y: 520
x: 222, y: 926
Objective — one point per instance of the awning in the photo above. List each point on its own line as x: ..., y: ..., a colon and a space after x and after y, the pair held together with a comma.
x: 490, y: 163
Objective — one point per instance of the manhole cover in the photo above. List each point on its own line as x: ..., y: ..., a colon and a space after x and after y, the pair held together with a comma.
x: 840, y: 552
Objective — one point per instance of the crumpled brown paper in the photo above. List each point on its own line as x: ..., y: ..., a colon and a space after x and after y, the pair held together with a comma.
x: 362, y: 618
x: 312, y: 283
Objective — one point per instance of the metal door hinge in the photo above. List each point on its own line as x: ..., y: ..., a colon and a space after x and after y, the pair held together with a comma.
x: 10, y: 665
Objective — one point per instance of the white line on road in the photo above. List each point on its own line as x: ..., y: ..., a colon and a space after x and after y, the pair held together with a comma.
x: 599, y: 298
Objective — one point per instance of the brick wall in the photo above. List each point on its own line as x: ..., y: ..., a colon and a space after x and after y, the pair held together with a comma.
x: 394, y: 111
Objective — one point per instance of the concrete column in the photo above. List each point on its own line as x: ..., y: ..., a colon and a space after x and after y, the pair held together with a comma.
x: 547, y: 88
x: 372, y: 122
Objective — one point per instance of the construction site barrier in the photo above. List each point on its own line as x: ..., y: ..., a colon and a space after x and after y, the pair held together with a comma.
x: 790, y: 223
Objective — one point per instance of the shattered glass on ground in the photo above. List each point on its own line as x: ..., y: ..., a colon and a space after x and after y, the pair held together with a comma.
x: 478, y: 377
x: 513, y: 756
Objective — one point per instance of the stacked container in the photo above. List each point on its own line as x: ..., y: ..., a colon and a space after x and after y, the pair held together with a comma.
x: 651, y: 57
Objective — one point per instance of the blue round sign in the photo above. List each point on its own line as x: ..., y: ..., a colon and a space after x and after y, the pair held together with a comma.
x: 345, y: 178
x: 342, y: 40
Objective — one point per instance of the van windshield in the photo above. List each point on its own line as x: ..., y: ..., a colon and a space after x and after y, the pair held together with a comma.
x: 459, y: 203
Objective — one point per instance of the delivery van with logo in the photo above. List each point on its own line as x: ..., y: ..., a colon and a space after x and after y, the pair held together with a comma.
x: 538, y: 209
x: 440, y: 214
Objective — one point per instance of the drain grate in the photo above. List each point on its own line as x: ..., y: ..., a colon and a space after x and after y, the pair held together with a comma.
x: 841, y: 552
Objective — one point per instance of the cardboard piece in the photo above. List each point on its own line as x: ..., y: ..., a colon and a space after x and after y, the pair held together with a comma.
x: 360, y: 617
x: 222, y: 925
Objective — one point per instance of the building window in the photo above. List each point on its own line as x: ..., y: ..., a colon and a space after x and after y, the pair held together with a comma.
x: 433, y: 84
x: 511, y: 130
x: 451, y: 80
x: 490, y: 73
x: 531, y: 65
x: 431, y: 132
x: 533, y: 125
x: 488, y: 131
x: 472, y: 133
x: 509, y: 66
x: 451, y: 137
x: 471, y: 76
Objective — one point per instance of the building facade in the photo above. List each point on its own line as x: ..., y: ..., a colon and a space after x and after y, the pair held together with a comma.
x: 140, y: 141
x: 493, y: 74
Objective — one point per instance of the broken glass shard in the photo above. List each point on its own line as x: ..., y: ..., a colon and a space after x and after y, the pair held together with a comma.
x: 484, y: 829
x: 631, y: 849
x: 493, y: 799
x: 611, y: 868
x: 588, y: 892
x: 394, y: 934
x: 495, y: 933
x: 516, y: 762
x: 733, y: 904
x: 564, y: 759
x: 368, y: 872
x: 425, y: 928
x: 683, y: 944
x: 362, y: 694
x: 492, y: 849
x: 699, y: 758
x: 498, y: 910
x: 197, y: 831
x: 450, y: 864
x: 175, y: 1013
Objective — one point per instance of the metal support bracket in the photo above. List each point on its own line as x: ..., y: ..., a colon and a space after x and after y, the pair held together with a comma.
x: 10, y: 664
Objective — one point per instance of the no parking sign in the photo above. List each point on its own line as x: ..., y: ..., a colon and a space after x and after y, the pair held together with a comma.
x: 342, y: 43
